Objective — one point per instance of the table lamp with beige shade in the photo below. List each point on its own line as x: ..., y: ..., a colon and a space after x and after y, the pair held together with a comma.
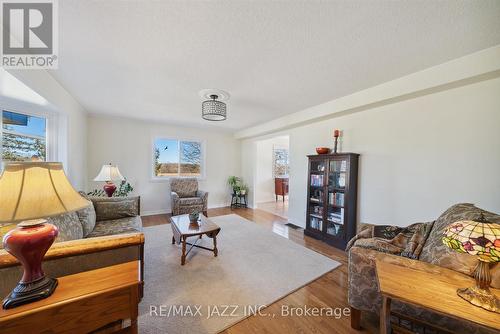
x: 480, y: 238
x: 108, y: 174
x: 30, y: 192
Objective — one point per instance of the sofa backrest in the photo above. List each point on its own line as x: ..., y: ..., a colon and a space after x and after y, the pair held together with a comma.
x: 435, y: 252
x: 184, y: 187
x: 108, y: 208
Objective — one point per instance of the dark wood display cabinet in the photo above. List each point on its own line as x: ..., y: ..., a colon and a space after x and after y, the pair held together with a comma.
x: 332, y: 197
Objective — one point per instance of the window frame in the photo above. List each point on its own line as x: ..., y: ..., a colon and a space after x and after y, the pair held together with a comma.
x: 155, y: 178
x: 51, y: 133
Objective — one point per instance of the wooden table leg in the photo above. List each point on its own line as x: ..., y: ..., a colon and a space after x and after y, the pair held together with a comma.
x: 355, y: 318
x: 183, y: 257
x: 385, y: 316
x: 215, y: 246
x: 134, y: 305
x: 133, y: 327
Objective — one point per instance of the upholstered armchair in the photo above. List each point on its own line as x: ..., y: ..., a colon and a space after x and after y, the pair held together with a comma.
x: 186, y: 198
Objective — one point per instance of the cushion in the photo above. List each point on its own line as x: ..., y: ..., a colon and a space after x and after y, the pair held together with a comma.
x: 436, y: 252
x: 185, y: 187
x: 87, y: 218
x: 191, y: 201
x: 108, y: 208
x: 69, y: 226
x: 116, y: 226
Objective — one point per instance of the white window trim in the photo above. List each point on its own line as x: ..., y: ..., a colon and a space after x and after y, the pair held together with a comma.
x: 50, y: 130
x: 155, y: 178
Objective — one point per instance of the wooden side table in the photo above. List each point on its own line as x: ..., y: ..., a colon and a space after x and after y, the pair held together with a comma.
x: 183, y: 228
x: 105, y: 298
x: 431, y: 287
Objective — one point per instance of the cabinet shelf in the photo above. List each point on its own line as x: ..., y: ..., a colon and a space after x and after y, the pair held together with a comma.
x: 336, y: 224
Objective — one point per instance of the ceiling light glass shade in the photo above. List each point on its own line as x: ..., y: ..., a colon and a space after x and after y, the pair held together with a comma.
x: 109, y: 173
x: 213, y: 110
x: 30, y: 190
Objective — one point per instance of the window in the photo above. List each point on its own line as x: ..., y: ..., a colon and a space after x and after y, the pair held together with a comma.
x: 24, y: 137
x: 173, y: 157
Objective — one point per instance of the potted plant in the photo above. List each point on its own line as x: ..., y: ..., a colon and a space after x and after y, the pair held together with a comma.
x: 243, y: 189
x: 235, y: 184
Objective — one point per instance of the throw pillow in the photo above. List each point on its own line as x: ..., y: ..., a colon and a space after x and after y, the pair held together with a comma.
x: 87, y: 218
x: 69, y: 226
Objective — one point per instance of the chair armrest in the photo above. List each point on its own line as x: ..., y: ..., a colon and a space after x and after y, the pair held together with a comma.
x: 203, y: 195
x: 174, y: 196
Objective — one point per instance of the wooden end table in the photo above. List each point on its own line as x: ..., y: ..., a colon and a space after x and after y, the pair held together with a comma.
x: 428, y: 286
x: 99, y: 301
x: 183, y: 228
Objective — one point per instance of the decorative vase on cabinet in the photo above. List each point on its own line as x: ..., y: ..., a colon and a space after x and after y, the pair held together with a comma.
x: 332, y: 198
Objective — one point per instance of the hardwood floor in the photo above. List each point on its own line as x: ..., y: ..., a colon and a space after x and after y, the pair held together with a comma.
x: 329, y: 290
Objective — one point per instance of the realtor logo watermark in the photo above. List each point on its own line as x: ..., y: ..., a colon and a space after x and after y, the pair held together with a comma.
x: 29, y: 34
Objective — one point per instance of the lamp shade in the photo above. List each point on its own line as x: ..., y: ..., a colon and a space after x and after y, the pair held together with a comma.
x: 480, y: 238
x: 109, y: 173
x: 30, y: 190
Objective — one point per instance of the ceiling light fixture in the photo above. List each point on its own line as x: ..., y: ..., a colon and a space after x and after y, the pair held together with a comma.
x: 213, y: 109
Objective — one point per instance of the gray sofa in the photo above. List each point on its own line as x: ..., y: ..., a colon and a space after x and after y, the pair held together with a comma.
x: 107, y: 232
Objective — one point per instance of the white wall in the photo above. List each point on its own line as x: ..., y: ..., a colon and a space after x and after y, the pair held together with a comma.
x: 71, y: 122
x: 418, y: 156
x: 128, y: 143
x: 264, y: 179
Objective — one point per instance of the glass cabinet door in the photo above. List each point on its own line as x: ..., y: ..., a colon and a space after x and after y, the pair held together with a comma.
x: 336, y: 197
x: 316, y: 194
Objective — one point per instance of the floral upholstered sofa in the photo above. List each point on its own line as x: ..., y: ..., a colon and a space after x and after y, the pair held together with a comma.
x: 422, y: 242
x: 107, y: 232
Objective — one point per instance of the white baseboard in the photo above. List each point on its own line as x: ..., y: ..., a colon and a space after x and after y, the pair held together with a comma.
x: 155, y: 212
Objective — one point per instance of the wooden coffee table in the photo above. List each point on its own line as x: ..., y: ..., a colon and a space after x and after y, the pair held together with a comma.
x: 183, y: 228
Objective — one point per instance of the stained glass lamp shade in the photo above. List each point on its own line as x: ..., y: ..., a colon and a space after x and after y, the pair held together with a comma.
x: 482, y: 239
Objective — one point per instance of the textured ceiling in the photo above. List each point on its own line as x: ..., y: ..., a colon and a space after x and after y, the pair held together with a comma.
x: 149, y: 59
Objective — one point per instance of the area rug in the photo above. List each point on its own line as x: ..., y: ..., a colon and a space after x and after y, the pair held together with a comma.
x: 255, y: 267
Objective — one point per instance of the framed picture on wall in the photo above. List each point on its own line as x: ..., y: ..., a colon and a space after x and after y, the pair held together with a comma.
x: 280, y: 162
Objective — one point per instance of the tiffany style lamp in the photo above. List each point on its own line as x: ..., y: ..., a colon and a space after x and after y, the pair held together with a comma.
x: 482, y: 239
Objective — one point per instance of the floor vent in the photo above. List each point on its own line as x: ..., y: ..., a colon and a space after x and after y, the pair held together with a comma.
x: 295, y: 227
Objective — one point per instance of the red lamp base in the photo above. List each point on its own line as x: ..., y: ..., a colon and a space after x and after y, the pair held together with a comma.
x: 28, y: 243
x: 109, y: 188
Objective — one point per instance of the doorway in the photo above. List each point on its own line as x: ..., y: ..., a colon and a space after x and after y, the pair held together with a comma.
x: 272, y: 175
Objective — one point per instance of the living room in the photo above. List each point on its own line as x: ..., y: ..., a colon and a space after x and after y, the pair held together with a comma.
x: 250, y: 167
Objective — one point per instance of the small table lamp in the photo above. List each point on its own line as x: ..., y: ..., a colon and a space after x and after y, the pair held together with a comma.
x: 482, y: 239
x: 108, y: 174
x: 28, y: 192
